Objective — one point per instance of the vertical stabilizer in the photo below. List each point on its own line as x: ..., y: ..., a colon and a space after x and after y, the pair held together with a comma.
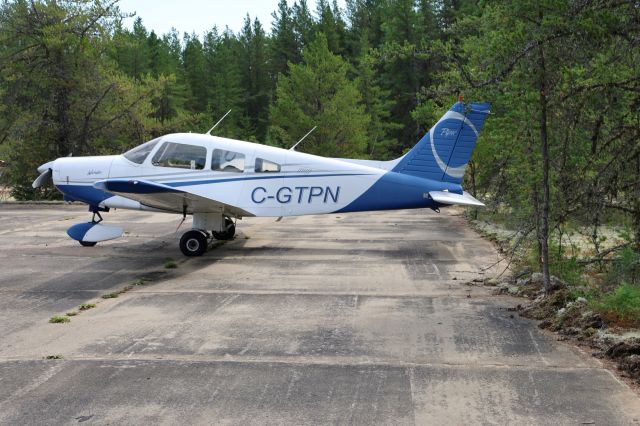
x: 443, y: 153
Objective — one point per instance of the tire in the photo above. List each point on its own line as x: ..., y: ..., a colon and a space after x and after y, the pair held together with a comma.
x: 228, y: 234
x: 193, y: 243
x: 88, y: 243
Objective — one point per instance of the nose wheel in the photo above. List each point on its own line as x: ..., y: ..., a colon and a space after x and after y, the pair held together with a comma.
x: 193, y: 243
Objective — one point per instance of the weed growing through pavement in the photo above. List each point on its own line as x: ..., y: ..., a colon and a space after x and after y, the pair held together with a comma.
x: 109, y: 296
x: 58, y: 319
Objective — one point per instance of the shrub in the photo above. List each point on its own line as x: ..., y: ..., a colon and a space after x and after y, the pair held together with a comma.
x: 621, y: 306
x: 625, y: 267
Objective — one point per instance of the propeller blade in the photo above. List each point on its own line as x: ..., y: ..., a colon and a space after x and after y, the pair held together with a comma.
x: 43, y: 179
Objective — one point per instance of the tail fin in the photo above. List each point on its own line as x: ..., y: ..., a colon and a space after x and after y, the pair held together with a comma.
x: 443, y: 153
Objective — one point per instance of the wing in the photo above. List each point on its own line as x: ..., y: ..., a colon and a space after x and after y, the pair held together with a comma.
x: 164, y: 197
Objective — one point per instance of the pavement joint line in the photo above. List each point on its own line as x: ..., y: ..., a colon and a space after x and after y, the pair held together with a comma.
x: 219, y: 259
x: 260, y: 292
x: 299, y: 361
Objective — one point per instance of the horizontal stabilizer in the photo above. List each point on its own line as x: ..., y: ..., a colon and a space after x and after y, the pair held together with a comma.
x: 464, y: 199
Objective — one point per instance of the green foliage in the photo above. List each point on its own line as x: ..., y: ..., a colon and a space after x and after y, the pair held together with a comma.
x: 61, y: 95
x: 110, y: 295
x: 58, y: 319
x: 621, y: 305
x: 319, y: 93
x: 87, y: 306
x: 53, y: 357
x: 625, y: 268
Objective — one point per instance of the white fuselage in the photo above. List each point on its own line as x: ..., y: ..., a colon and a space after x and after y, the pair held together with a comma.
x: 306, y: 184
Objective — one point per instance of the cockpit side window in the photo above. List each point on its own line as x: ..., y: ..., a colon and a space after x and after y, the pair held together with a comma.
x: 139, y: 153
x: 266, y: 166
x: 181, y: 156
x: 227, y: 161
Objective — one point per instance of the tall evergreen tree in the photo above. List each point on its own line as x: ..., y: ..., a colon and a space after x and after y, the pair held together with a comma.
x: 331, y: 24
x: 319, y: 93
x: 285, y: 47
x: 303, y: 23
x: 255, y: 78
x: 195, y: 73
x: 224, y: 79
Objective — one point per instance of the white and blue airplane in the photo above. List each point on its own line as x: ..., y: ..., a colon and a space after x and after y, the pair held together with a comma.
x: 219, y: 180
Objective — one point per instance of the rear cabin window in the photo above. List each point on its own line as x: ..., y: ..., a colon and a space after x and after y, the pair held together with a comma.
x: 227, y: 161
x: 139, y: 153
x: 180, y: 156
x: 266, y: 166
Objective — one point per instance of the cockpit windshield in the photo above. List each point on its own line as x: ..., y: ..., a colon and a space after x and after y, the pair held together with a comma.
x: 139, y: 153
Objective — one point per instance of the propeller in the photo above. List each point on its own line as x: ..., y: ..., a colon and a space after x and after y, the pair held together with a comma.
x: 45, y: 175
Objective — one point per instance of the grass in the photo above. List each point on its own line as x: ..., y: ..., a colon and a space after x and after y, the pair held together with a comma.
x: 109, y: 295
x: 72, y: 313
x: 141, y: 281
x: 170, y: 264
x: 621, y: 306
x: 87, y: 306
x: 53, y: 357
x: 58, y: 319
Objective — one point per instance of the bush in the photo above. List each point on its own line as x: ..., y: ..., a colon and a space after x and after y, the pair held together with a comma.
x: 625, y: 267
x: 620, y: 306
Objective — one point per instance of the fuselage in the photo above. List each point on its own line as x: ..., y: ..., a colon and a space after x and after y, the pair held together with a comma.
x: 260, y: 180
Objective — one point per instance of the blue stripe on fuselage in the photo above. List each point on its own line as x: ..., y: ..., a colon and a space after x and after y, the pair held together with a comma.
x: 279, y: 176
x: 399, y: 191
x: 93, y: 196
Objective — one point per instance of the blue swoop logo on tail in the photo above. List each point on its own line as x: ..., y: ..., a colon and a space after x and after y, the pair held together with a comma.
x: 443, y: 153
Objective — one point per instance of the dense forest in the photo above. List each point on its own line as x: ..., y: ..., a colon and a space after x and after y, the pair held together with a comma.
x: 559, y: 154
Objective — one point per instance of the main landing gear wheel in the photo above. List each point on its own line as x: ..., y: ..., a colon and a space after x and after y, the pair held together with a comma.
x: 193, y: 243
x: 230, y: 231
x: 88, y: 243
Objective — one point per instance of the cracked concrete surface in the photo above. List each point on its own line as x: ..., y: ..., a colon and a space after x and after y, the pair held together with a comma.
x: 355, y: 318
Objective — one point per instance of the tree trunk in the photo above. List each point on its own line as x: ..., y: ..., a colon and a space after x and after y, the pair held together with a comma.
x: 543, y: 234
x: 636, y: 205
x: 474, y: 189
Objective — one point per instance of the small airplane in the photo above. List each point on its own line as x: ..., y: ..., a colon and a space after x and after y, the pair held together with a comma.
x: 219, y: 180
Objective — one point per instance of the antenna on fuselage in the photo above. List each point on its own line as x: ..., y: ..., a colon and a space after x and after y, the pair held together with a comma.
x: 293, y: 148
x: 216, y: 125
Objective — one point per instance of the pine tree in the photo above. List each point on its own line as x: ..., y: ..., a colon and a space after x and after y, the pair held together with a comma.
x: 224, y: 79
x: 331, y: 24
x: 255, y: 79
x: 195, y: 73
x: 285, y: 47
x: 303, y: 23
x: 319, y: 93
